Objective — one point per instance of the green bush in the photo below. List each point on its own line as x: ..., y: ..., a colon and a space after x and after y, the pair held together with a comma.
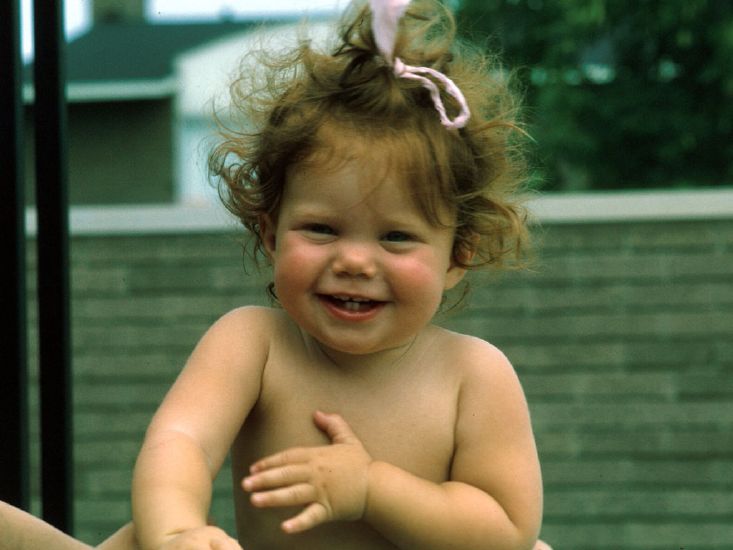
x: 619, y: 93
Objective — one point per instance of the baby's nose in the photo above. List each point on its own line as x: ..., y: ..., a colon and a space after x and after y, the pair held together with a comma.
x: 355, y: 260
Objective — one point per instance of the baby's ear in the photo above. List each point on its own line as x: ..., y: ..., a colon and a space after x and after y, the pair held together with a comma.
x: 454, y: 276
x: 267, y: 229
x: 464, y: 250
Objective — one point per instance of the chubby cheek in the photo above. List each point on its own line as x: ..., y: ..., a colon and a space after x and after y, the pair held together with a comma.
x: 294, y: 268
x: 419, y: 280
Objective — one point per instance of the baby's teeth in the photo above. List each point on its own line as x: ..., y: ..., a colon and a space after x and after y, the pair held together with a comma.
x: 350, y: 299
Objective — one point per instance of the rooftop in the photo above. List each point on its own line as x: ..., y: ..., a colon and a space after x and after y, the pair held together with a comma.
x: 135, y: 59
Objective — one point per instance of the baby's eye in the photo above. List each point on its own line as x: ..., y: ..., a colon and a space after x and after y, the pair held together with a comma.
x: 397, y: 237
x: 320, y: 229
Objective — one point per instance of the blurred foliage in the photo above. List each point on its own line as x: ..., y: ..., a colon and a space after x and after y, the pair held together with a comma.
x: 620, y: 93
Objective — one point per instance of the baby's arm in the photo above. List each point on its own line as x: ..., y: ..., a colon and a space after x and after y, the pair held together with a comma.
x: 20, y: 530
x: 493, y: 498
x: 191, y: 433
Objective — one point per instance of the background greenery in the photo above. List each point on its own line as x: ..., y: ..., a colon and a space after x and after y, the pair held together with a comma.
x: 620, y: 93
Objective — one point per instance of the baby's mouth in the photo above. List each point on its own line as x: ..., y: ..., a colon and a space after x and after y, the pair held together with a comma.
x: 351, y: 303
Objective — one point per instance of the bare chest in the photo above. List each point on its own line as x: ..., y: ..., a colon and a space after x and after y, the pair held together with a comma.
x: 406, y: 421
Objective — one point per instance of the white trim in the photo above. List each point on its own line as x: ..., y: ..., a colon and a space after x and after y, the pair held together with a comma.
x: 120, y: 90
x: 141, y: 219
x: 624, y: 206
x: 576, y: 208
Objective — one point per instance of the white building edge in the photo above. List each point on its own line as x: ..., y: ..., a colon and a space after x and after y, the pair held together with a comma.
x: 204, y: 75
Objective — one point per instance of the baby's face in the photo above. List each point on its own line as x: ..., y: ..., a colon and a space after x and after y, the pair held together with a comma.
x: 356, y: 264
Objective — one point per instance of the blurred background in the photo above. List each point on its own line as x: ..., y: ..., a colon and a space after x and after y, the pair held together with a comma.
x: 621, y: 94
x: 622, y: 332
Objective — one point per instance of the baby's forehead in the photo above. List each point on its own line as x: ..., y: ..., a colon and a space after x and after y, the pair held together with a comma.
x: 336, y: 170
x: 378, y: 150
x: 400, y: 153
x: 380, y: 173
x: 337, y: 144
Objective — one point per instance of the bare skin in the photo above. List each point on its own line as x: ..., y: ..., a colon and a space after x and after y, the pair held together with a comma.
x: 411, y: 447
x: 414, y: 432
x: 420, y: 400
x: 22, y: 531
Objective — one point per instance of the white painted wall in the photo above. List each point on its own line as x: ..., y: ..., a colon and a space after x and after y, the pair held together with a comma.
x: 204, y: 75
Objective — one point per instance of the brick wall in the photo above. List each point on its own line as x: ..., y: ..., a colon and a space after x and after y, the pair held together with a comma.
x: 622, y: 338
x: 621, y: 334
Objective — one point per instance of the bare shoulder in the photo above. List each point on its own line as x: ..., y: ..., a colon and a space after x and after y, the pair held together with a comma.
x: 248, y: 318
x: 247, y: 329
x: 489, y: 385
x: 221, y: 379
x: 485, y: 380
x: 495, y: 449
x: 481, y: 363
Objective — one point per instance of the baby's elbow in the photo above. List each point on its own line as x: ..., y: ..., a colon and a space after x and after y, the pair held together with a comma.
x: 508, y: 536
x: 523, y: 532
x: 527, y: 535
x: 526, y: 518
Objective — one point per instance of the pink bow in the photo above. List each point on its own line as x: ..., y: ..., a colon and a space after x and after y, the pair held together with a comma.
x: 386, y: 15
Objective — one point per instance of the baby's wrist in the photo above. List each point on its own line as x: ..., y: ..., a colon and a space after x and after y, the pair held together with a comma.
x: 196, y: 534
x: 378, y: 474
x: 160, y: 541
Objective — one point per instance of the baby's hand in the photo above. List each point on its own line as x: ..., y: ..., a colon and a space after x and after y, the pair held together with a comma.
x: 331, y: 481
x: 202, y: 538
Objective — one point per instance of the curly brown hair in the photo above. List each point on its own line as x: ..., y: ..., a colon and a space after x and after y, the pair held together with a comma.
x: 478, y: 171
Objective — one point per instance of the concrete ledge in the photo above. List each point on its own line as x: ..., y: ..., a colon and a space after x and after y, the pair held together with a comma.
x: 123, y: 90
x: 634, y: 206
x: 141, y: 219
x: 549, y: 209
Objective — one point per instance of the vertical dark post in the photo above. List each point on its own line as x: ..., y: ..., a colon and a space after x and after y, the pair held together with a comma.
x: 53, y: 264
x: 13, y: 390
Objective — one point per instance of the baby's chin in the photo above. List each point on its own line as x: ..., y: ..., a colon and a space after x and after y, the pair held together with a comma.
x: 360, y: 351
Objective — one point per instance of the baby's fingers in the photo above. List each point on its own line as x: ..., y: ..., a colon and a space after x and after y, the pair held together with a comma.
x: 313, y: 515
x: 276, y: 477
x: 295, y: 495
x: 290, y: 456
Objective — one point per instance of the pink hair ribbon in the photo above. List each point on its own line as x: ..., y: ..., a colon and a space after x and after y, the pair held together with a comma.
x: 386, y: 15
